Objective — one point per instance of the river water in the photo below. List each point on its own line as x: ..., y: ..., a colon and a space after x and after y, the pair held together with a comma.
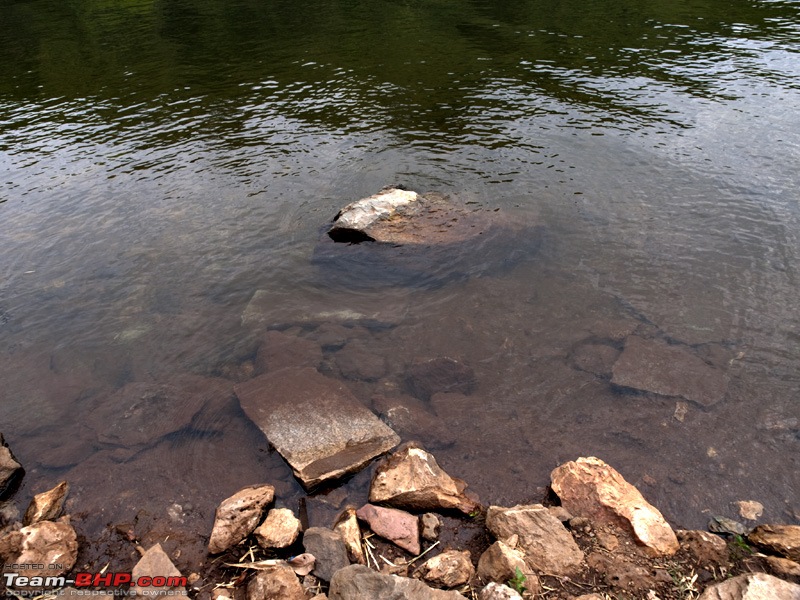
x: 163, y: 161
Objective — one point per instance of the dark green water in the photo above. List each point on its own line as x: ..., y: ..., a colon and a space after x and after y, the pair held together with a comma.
x: 162, y: 161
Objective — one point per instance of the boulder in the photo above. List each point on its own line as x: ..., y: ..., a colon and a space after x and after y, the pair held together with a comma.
x: 707, y: 549
x: 668, y: 370
x: 752, y: 586
x: 49, y: 547
x: 778, y: 539
x: 397, y: 526
x: 590, y: 488
x: 411, y: 478
x: 329, y: 550
x: 347, y: 526
x: 315, y: 423
x: 546, y: 543
x: 498, y: 591
x: 280, y: 350
x: 500, y: 563
x: 46, y: 506
x: 155, y: 563
x: 278, y: 583
x: 238, y: 516
x: 449, y: 569
x: 279, y: 530
x: 10, y: 469
x: 358, y: 582
x: 439, y: 375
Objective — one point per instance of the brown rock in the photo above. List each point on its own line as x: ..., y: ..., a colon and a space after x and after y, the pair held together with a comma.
x: 620, y: 572
x: 329, y: 550
x: 155, y: 563
x: 500, y: 563
x: 448, y: 569
x: 752, y: 586
x: 778, y: 539
x: 411, y: 478
x: 669, y: 370
x: 47, y: 506
x: 597, y: 359
x: 431, y: 524
x: 590, y: 488
x: 279, y: 583
x: 279, y: 530
x: 46, y: 543
x: 412, y: 419
x: 750, y: 509
x: 358, y: 582
x: 360, y: 362
x: 498, y: 591
x: 397, y: 526
x: 707, y: 549
x: 238, y: 516
x: 280, y: 350
x: 783, y: 567
x: 347, y: 526
x: 428, y: 377
x: 548, y: 546
x: 315, y: 423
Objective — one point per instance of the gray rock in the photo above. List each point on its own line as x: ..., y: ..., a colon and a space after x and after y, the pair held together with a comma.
x: 449, y: 569
x: 155, y: 563
x: 752, y: 586
x: 10, y: 469
x: 47, y: 506
x: 280, y: 350
x: 328, y: 548
x: 279, y: 530
x: 357, y: 582
x: 498, y: 591
x: 428, y: 377
x: 411, y: 478
x: 397, y: 526
x: 547, y: 544
x: 315, y: 423
x: 279, y: 583
x: 238, y: 515
x: 46, y: 543
x: 669, y: 370
x: 431, y: 524
x: 778, y: 539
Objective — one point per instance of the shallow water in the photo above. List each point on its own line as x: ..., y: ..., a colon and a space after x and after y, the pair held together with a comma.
x: 164, y: 161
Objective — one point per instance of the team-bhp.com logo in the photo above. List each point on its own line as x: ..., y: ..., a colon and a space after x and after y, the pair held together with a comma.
x: 23, y: 585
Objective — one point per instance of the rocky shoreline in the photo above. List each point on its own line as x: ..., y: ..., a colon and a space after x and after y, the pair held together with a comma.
x: 594, y: 537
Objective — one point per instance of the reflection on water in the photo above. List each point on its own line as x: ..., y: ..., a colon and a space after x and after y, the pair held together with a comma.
x: 167, y: 167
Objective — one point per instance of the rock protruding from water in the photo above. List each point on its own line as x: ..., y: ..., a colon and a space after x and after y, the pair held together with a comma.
x: 752, y: 586
x: 47, y: 506
x: 46, y: 548
x: 590, y: 488
x: 10, y: 469
x: 315, y: 423
x: 412, y: 479
x: 397, y: 526
x: 371, y: 219
x: 778, y: 539
x: 155, y: 563
x: 238, y: 515
x: 358, y: 582
x: 279, y: 530
x: 547, y: 545
x: 668, y: 370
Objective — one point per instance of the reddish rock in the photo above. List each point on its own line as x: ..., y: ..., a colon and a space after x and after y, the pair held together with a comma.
x: 411, y: 478
x: 448, y: 569
x: 397, y: 526
x: 238, y: 516
x: 592, y: 489
x: 360, y: 362
x: 546, y: 543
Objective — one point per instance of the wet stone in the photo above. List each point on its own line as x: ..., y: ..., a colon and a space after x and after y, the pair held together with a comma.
x: 425, y: 378
x: 47, y: 506
x: 357, y: 361
x: 707, y: 549
x: 412, y: 419
x: 279, y: 350
x: 315, y: 423
x: 669, y: 370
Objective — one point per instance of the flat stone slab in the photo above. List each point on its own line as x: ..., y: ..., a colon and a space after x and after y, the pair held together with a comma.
x: 315, y: 423
x: 661, y: 368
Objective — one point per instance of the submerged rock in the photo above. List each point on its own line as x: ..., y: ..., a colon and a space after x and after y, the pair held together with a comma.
x: 590, y: 488
x: 411, y: 478
x: 358, y: 582
x: 428, y: 377
x: 315, y: 423
x: 752, y: 586
x: 47, y: 505
x: 238, y: 515
x: 669, y: 370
